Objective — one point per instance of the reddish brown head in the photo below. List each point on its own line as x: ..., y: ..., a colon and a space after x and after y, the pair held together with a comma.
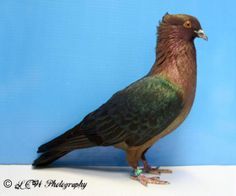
x: 181, y: 26
x: 175, y: 50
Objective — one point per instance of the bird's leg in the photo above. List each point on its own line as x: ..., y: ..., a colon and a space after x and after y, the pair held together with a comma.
x: 152, y: 170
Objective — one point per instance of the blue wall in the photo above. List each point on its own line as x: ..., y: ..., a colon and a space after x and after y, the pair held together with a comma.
x: 61, y: 59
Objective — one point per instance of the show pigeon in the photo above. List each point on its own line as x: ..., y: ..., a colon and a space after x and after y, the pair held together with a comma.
x: 136, y: 117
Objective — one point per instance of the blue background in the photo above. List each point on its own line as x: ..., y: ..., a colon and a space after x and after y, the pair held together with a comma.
x: 61, y: 59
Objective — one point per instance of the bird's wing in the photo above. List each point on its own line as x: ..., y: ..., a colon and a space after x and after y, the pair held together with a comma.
x: 145, y: 108
x: 134, y: 115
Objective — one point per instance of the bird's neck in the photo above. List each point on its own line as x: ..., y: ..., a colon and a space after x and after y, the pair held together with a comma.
x: 176, y: 61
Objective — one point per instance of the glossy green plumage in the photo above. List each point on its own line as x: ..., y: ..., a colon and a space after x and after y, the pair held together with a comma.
x: 135, y: 114
x: 145, y: 108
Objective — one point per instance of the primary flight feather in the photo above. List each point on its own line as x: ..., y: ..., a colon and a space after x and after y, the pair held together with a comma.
x: 134, y: 118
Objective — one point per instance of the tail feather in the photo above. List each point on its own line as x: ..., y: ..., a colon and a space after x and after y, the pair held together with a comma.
x: 48, y: 157
x: 67, y: 144
x: 54, y: 143
x: 63, y: 144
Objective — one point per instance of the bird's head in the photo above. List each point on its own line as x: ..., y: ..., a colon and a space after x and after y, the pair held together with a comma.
x: 183, y: 26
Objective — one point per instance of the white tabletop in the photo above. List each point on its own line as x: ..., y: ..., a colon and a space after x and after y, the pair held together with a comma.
x: 184, y: 181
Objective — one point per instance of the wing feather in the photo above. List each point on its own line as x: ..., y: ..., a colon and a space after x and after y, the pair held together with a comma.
x: 133, y: 115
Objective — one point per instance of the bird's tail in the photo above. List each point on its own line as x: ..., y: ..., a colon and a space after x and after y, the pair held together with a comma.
x: 62, y: 145
x: 48, y: 157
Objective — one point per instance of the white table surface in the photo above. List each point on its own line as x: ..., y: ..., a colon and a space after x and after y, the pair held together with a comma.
x: 184, y: 181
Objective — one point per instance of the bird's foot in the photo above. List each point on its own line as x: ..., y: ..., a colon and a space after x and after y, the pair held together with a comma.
x: 144, y: 180
x: 154, y: 170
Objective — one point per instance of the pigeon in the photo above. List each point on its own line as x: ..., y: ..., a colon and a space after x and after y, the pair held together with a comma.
x: 135, y: 118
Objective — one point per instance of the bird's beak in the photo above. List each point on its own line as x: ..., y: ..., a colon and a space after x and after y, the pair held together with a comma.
x: 200, y: 33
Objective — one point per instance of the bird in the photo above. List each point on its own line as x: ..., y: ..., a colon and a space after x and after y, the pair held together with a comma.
x: 138, y: 116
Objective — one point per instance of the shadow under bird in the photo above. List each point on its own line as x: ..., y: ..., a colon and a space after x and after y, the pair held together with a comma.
x: 136, y: 117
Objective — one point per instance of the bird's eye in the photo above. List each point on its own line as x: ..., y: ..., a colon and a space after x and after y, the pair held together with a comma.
x: 188, y: 24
